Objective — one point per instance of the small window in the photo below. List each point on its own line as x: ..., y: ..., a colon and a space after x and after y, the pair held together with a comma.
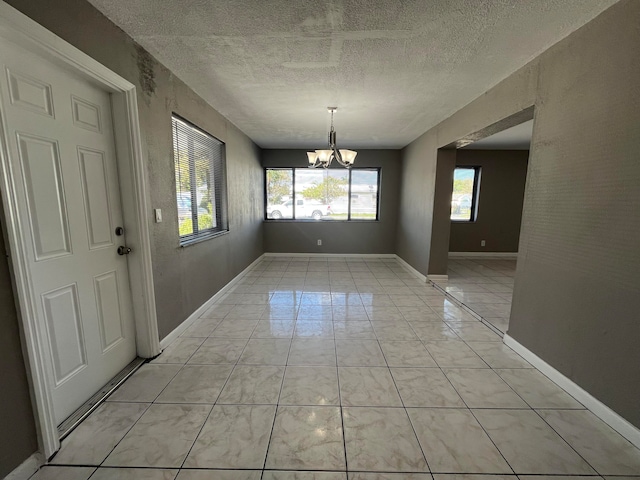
x: 464, y: 200
x: 201, y: 194
x: 319, y: 194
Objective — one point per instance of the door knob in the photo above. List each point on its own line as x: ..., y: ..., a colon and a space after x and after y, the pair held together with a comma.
x: 123, y: 250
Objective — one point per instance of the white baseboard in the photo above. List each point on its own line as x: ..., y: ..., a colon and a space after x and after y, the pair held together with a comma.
x: 332, y: 255
x: 410, y: 269
x: 608, y: 416
x: 438, y: 278
x: 27, y: 468
x: 166, y: 341
x: 501, y: 255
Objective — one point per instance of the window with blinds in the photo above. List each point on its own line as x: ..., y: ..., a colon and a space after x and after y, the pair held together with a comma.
x: 200, y: 182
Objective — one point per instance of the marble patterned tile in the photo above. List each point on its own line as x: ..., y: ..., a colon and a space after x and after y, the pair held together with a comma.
x: 433, y: 331
x: 179, y: 351
x: 453, y: 441
x: 253, y: 384
x: 529, y: 444
x: 265, y: 351
x: 312, y: 351
x: 406, y: 354
x: 483, y: 388
x: 274, y: 328
x: 234, y: 328
x: 400, y: 330
x: 463, y: 476
x: 246, y: 312
x: 134, y: 474
x: 474, y: 332
x: 425, y: 387
x: 186, y: 474
x: 234, y: 436
x: 537, y: 390
x: 389, y: 476
x: 63, y: 473
x: 202, y: 327
x: 381, y: 439
x: 95, y: 437
x: 282, y: 475
x: 498, y: 355
x: 146, y: 384
x: 313, y: 329
x: 454, y: 353
x: 218, y: 351
x: 359, y: 353
x: 161, y: 438
x: 307, y: 438
x: 217, y: 311
x: 368, y: 386
x: 605, y: 449
x: 196, y: 384
x: 355, y: 330
x: 310, y: 386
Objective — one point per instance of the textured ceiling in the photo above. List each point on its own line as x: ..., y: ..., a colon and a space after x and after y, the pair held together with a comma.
x: 514, y: 138
x: 394, y: 68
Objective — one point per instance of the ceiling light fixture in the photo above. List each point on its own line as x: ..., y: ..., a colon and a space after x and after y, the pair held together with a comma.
x: 323, y: 158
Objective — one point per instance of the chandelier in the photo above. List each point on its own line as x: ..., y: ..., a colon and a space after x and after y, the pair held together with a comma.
x: 323, y: 158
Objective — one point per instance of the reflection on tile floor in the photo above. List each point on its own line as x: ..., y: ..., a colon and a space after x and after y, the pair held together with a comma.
x: 484, y: 285
x: 339, y: 368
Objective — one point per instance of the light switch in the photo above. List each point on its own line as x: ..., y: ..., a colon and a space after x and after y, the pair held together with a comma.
x: 158, y: 212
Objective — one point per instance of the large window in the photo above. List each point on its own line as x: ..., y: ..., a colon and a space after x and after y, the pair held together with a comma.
x: 319, y: 194
x: 464, y: 200
x: 200, y: 182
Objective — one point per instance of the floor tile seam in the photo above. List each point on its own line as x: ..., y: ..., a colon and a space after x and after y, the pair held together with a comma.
x: 213, y: 406
x: 121, y: 439
x: 404, y: 407
x: 478, y: 422
x: 480, y: 318
x: 567, y: 442
x: 344, y: 435
x: 275, y: 416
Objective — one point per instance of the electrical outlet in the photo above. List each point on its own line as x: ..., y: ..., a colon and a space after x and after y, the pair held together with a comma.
x: 483, y: 243
x: 319, y: 242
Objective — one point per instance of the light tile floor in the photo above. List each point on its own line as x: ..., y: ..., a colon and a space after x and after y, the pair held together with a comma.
x: 484, y: 285
x: 333, y: 369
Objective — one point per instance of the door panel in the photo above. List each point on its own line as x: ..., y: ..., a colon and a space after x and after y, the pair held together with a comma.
x: 108, y: 305
x: 66, y: 339
x: 30, y: 94
x: 95, y: 191
x: 45, y: 196
x: 66, y: 179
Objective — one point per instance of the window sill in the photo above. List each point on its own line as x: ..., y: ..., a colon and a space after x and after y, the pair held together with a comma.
x: 293, y: 220
x: 202, y: 238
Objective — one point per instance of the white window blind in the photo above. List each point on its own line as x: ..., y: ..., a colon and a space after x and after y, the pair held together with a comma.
x: 201, y: 198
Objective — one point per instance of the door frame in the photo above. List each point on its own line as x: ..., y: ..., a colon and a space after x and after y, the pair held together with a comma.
x: 21, y: 30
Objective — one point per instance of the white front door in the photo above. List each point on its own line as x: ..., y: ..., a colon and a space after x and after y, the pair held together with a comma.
x: 62, y: 154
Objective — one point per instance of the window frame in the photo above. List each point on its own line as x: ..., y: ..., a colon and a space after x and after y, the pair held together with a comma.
x: 348, y: 193
x: 474, y: 194
x: 217, y: 163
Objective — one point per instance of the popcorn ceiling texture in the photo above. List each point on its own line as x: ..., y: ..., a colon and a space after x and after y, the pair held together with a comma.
x: 395, y: 69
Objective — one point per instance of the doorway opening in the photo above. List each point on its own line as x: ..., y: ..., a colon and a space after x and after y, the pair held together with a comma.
x: 480, y: 189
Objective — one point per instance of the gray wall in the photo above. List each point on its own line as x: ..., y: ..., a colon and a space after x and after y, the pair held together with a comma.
x: 439, y: 246
x: 339, y: 237
x: 577, y: 288
x: 184, y: 277
x: 18, y: 439
x: 500, y: 202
